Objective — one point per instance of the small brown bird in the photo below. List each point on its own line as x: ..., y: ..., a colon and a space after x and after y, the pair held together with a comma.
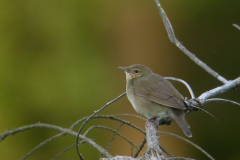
x: 155, y: 97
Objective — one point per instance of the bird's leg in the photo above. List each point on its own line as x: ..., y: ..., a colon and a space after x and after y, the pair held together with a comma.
x: 152, y: 120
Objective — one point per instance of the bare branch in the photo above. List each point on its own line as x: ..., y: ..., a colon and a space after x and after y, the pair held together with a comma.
x: 174, y: 40
x: 48, y: 126
x: 153, y: 151
x: 142, y: 145
x: 183, y: 82
x: 219, y: 90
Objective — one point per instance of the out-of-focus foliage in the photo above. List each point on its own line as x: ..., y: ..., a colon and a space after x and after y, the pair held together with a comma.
x: 59, y: 63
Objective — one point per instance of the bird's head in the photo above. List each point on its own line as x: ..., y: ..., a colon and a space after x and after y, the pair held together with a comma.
x: 136, y: 71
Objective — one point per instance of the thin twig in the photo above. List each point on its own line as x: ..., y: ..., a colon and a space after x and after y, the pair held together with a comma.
x: 237, y: 26
x: 132, y: 115
x: 120, y: 120
x: 220, y: 99
x: 131, y: 150
x: 104, y: 116
x: 174, y: 40
x: 183, y: 82
x: 80, y: 156
x: 128, y: 123
x: 114, y: 117
x: 78, y: 121
x: 66, y: 150
x: 206, y: 112
x: 139, y: 148
x: 109, y: 144
x: 41, y: 145
x: 164, y: 150
x: 193, y: 144
x: 90, y: 128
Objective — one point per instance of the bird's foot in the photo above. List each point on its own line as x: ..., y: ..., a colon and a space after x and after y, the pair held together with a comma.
x: 152, y: 120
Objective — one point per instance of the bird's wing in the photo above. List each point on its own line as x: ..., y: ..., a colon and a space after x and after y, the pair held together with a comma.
x: 158, y: 90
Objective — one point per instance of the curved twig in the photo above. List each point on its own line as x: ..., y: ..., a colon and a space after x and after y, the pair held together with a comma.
x: 104, y: 116
x: 107, y: 128
x: 183, y: 82
x: 132, y: 115
x: 220, y: 99
x: 80, y: 156
x: 206, y: 112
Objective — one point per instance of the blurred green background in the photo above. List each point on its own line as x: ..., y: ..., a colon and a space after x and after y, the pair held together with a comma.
x: 59, y: 63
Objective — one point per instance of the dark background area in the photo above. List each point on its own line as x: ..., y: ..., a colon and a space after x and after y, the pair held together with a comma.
x: 59, y: 63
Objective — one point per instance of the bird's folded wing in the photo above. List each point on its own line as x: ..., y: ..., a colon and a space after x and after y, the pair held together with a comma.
x: 159, y: 91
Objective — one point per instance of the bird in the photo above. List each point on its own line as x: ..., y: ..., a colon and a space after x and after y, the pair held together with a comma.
x: 154, y: 97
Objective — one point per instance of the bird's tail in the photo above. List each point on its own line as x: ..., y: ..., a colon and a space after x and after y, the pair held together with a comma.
x: 181, y: 121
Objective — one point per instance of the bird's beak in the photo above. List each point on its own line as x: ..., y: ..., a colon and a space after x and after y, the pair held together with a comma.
x: 125, y: 69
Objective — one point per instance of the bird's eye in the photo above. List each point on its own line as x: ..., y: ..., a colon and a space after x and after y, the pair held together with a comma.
x: 136, y: 71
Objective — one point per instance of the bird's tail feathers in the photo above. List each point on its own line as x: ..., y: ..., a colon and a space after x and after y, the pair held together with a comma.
x: 181, y: 121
